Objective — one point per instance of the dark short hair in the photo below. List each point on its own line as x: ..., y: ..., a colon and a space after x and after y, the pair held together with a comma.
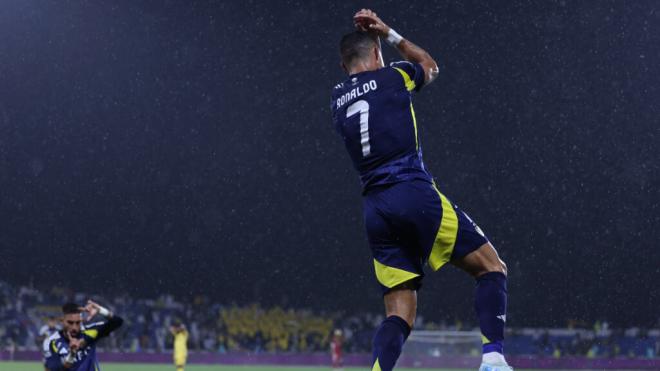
x: 70, y: 308
x: 356, y: 45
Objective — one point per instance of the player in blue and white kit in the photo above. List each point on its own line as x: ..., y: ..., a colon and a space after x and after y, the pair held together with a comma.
x: 409, y: 222
x: 74, y: 347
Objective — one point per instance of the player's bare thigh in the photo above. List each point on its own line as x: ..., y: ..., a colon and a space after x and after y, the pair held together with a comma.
x: 401, y: 301
x: 481, y: 261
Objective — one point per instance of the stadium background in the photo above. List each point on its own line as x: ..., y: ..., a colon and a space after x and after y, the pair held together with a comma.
x: 166, y: 148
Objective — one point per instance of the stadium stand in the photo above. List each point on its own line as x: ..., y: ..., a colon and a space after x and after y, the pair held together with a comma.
x: 223, y: 328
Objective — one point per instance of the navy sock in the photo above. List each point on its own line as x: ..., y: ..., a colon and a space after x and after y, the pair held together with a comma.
x: 388, y: 342
x: 490, y: 304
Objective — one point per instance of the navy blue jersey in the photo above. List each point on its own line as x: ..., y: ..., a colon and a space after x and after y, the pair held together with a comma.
x: 373, y: 113
x: 56, y: 347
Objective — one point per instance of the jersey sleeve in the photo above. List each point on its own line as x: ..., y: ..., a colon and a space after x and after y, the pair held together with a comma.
x: 332, y: 109
x: 412, y: 73
x: 51, y: 352
x: 333, y: 104
x: 98, y: 330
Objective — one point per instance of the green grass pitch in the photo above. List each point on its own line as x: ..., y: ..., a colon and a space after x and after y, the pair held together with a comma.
x: 34, y: 366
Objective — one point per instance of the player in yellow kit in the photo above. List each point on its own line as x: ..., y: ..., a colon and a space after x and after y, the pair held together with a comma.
x: 180, y: 334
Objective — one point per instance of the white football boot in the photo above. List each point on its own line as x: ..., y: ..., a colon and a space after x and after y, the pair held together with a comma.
x: 494, y: 362
x: 491, y: 367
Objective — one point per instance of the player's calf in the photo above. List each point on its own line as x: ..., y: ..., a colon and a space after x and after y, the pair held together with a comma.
x: 490, y: 299
x: 400, y: 307
x: 388, y: 342
x: 490, y: 305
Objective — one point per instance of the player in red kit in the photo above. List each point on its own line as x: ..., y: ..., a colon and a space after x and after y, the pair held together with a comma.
x: 335, y: 348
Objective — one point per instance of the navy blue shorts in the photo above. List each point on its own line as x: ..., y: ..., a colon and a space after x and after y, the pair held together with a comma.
x: 410, y: 224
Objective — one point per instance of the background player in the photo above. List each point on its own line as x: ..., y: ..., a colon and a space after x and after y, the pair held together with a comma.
x: 180, y: 335
x: 50, y: 327
x: 336, y: 350
x: 408, y: 221
x: 74, y: 347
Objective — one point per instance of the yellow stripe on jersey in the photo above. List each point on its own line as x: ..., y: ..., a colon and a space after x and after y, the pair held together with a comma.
x: 412, y: 111
x: 484, y: 339
x: 390, y: 276
x: 52, y: 345
x: 91, y: 333
x: 376, y: 366
x: 410, y: 84
x: 446, y: 237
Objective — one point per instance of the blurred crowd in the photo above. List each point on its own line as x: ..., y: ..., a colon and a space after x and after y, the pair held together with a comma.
x: 599, y: 341
x: 215, y: 327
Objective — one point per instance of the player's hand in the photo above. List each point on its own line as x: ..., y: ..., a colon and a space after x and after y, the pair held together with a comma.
x: 91, y: 309
x: 75, y: 344
x: 367, y: 20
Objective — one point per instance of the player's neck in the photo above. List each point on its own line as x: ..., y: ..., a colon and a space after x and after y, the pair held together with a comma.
x: 361, y: 67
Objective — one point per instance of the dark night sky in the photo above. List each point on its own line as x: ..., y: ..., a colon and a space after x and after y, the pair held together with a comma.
x: 187, y: 147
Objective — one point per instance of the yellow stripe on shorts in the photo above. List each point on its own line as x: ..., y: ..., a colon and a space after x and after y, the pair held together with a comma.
x: 390, y: 276
x: 446, y: 237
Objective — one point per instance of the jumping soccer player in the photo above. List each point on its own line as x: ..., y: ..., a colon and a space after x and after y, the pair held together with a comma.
x: 74, y: 347
x: 180, y: 334
x: 408, y: 221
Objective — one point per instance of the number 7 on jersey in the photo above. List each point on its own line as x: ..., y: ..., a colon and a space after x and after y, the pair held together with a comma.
x: 361, y: 106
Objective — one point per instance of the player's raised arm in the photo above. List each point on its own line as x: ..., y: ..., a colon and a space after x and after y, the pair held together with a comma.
x: 367, y: 20
x: 113, y: 321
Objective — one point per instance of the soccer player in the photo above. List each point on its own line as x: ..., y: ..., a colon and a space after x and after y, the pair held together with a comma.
x: 180, y: 334
x: 336, y: 350
x: 74, y: 347
x: 409, y: 222
x: 50, y: 327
